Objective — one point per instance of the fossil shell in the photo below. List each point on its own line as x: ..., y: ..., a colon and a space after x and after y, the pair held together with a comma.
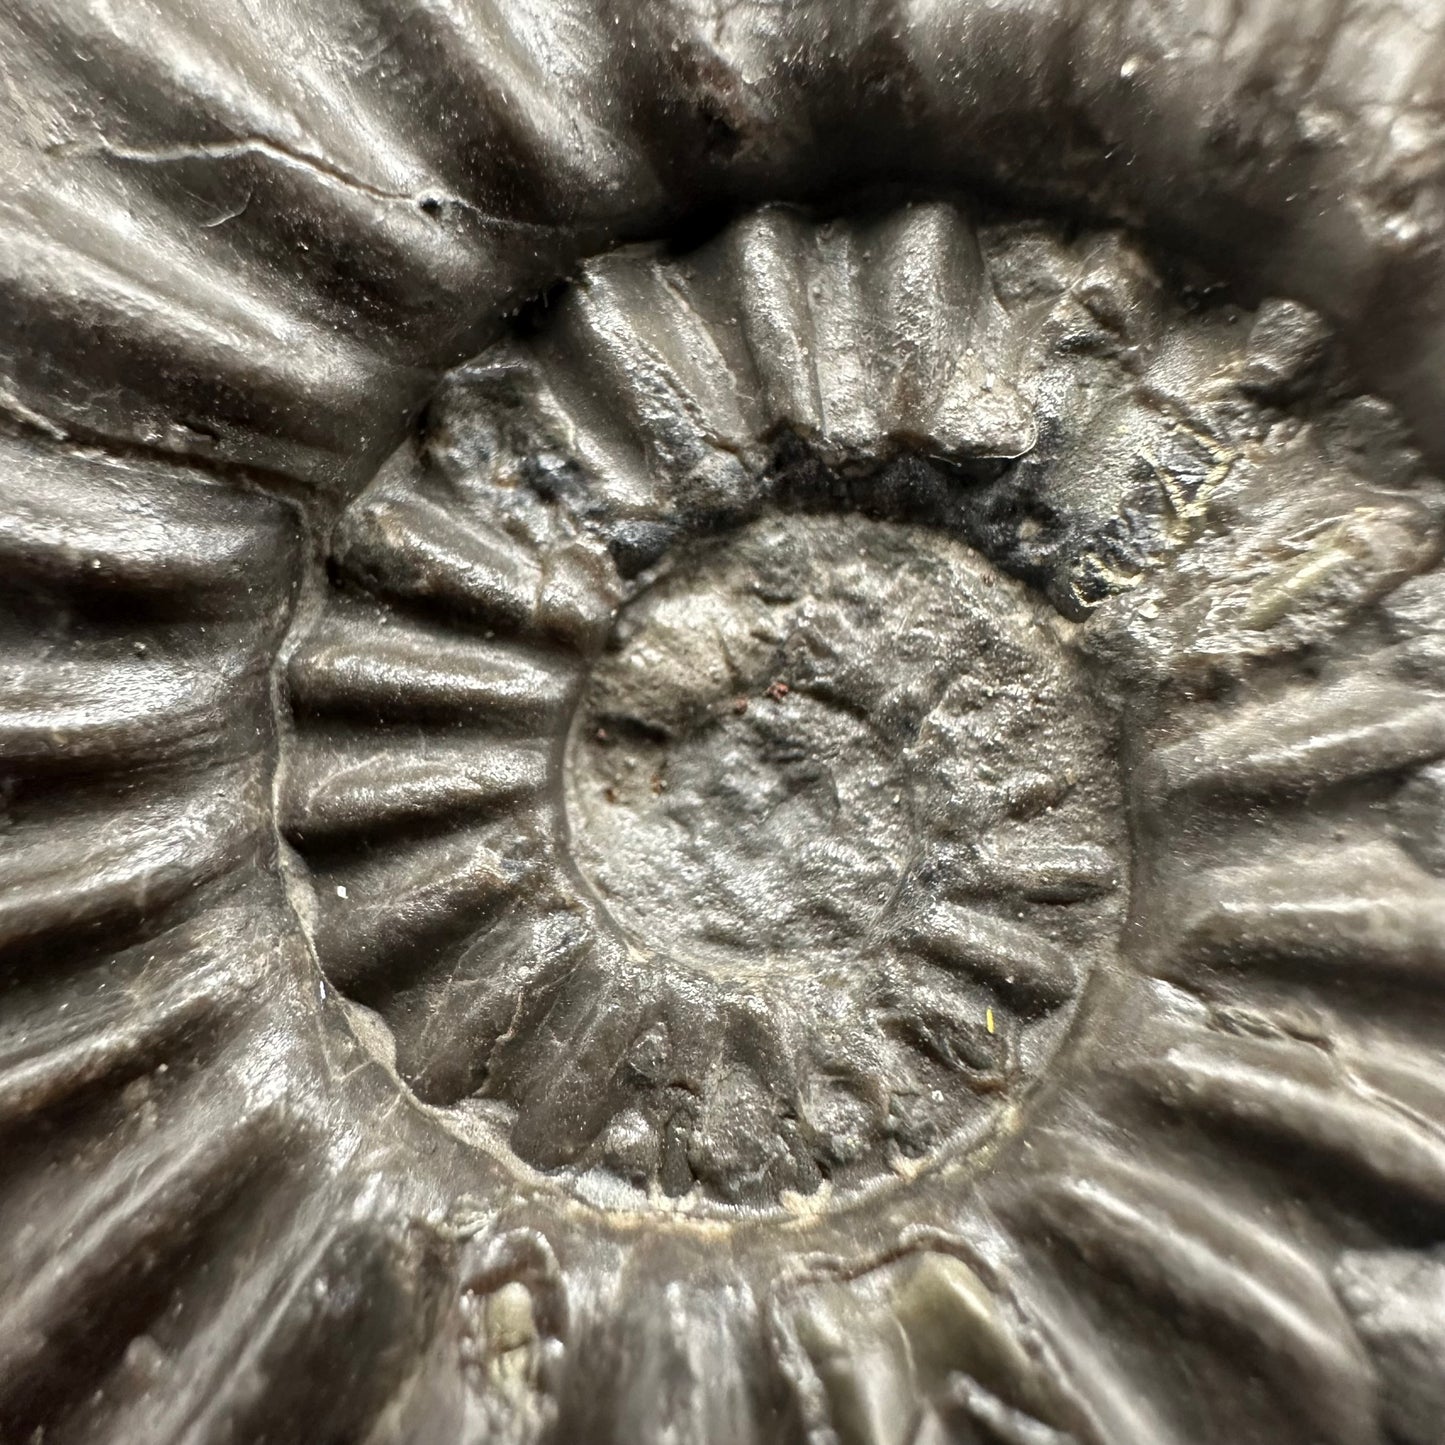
x: 699, y: 746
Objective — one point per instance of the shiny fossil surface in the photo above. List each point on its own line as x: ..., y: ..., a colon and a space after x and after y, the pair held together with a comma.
x: 459, y: 460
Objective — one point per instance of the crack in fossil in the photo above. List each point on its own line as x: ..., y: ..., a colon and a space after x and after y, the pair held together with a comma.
x: 429, y: 202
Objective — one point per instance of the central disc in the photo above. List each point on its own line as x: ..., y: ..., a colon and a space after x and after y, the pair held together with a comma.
x: 848, y: 805
x: 740, y: 772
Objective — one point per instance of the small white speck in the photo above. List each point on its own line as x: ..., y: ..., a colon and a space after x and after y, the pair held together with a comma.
x: 341, y: 890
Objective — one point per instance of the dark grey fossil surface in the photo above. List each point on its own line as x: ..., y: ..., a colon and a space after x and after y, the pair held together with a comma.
x: 722, y: 722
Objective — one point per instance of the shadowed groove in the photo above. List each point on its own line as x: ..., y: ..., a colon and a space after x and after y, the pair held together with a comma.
x: 168, y: 999
x: 1365, y: 906
x: 121, y: 867
x: 361, y: 788
x: 376, y: 667
x: 1294, y: 1094
x: 1358, y: 727
x: 1182, y: 1251
x: 335, y: 1298
x: 392, y: 913
x: 85, y: 1279
x: 1017, y: 962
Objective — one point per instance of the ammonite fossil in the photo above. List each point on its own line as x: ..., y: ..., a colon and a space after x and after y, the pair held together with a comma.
x: 722, y: 722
